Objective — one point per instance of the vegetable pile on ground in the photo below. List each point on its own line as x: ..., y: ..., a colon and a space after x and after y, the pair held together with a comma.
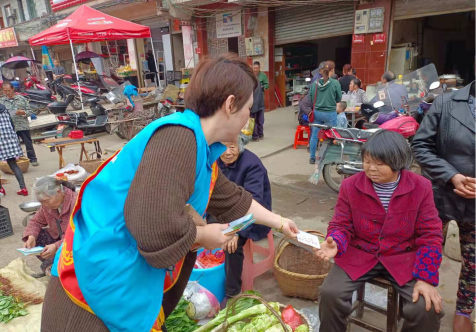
x: 11, y: 307
x: 178, y: 321
x: 252, y: 316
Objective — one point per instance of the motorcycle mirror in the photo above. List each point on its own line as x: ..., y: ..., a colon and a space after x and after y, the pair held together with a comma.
x: 379, y: 104
x: 308, y: 79
x: 46, y: 79
x: 17, y: 78
x: 434, y: 85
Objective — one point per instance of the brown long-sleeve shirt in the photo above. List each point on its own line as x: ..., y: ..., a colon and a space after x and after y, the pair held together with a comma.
x: 155, y: 216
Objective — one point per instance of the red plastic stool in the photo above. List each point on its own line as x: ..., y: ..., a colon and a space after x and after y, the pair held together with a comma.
x: 299, y: 138
x: 252, y: 270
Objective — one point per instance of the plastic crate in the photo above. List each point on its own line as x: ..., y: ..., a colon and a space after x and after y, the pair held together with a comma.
x: 6, y: 228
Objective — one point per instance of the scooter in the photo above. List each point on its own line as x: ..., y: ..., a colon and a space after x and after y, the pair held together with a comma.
x: 68, y: 122
x: 38, y: 98
x: 64, y: 90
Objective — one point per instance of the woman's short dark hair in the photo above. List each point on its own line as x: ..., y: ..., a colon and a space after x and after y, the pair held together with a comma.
x: 256, y: 63
x: 357, y: 82
x: 214, y: 81
x: 390, y: 148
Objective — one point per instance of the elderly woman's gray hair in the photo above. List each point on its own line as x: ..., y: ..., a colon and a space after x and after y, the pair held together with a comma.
x: 47, y: 187
x: 242, y: 141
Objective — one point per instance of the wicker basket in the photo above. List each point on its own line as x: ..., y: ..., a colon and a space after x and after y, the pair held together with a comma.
x: 22, y: 162
x: 298, y: 272
x: 91, y: 165
x: 231, y: 303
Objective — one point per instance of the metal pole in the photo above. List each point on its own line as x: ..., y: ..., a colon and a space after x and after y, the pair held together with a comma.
x: 77, y: 76
x: 109, y: 53
x: 156, y: 64
x: 32, y: 53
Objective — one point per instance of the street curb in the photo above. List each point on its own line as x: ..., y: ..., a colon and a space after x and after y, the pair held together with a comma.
x: 276, y: 152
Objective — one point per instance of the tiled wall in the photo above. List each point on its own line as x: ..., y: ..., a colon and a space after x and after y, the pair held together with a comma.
x: 369, y: 60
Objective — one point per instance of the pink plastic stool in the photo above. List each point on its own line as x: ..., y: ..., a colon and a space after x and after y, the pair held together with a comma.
x: 252, y: 270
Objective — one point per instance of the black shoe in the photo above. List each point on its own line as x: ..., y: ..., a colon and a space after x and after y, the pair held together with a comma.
x: 312, y: 161
x: 255, y: 139
x: 261, y: 137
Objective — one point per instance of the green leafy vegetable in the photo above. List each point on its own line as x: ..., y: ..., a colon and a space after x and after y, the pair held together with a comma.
x: 279, y: 328
x: 255, y: 310
x: 241, y: 304
x: 11, y: 307
x: 302, y: 328
x: 178, y: 321
x: 237, y: 327
x: 261, y: 323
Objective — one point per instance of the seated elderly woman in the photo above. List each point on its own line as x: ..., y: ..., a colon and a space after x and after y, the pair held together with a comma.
x: 244, y: 168
x: 356, y: 92
x: 57, y: 200
x: 385, y: 225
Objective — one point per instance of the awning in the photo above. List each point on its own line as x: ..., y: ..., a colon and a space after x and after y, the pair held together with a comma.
x: 89, y: 25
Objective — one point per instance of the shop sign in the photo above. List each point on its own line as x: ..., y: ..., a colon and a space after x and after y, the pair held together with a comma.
x: 358, y: 39
x: 229, y: 24
x: 8, y: 38
x: 198, y: 50
x: 57, y: 5
x: 379, y: 38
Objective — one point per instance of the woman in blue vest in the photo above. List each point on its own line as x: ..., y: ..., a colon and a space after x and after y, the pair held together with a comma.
x: 128, y: 252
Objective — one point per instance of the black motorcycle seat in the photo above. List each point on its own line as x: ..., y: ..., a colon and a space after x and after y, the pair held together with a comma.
x: 357, y: 133
x: 43, y: 93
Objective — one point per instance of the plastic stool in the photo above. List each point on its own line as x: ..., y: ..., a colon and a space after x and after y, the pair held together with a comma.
x: 252, y: 270
x: 299, y: 138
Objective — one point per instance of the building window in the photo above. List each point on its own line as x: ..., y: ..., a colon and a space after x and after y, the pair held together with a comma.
x: 21, y: 10
x: 10, y: 14
x: 32, y: 9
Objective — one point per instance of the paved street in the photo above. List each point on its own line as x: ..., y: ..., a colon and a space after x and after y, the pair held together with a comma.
x: 311, y: 207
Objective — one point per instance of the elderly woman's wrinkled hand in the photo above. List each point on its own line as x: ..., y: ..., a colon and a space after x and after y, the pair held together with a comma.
x: 49, y: 251
x: 30, y: 243
x: 429, y: 293
x: 289, y: 228
x: 328, y: 250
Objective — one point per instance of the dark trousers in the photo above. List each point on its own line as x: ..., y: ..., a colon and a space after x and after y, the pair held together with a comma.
x: 12, y: 162
x: 43, y: 239
x: 234, y: 268
x: 336, y: 297
x: 26, y: 138
x: 467, y: 282
x: 259, y: 122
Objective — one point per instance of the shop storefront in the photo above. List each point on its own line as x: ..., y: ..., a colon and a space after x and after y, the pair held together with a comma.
x: 307, y: 35
x: 442, y: 34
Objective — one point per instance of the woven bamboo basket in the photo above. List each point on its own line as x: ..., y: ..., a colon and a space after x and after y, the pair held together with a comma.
x: 232, y: 302
x: 298, y: 272
x: 22, y: 162
x: 91, y: 165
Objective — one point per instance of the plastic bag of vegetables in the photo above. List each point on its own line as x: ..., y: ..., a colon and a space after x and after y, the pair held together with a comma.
x: 202, y: 304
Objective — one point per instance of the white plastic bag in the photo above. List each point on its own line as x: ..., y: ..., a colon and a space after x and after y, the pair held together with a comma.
x: 76, y: 178
x: 203, y: 303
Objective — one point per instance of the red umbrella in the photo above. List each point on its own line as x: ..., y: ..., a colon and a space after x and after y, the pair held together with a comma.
x: 18, y: 62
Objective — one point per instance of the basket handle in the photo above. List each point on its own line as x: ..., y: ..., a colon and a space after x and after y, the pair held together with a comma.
x: 254, y: 297
x: 95, y: 153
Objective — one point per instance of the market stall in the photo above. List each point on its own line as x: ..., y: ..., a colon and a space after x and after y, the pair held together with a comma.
x: 87, y: 25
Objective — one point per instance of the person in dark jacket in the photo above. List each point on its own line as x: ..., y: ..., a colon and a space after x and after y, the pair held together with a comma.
x: 257, y: 112
x: 346, y: 78
x: 151, y: 64
x: 305, y: 108
x: 244, y: 168
x: 444, y: 146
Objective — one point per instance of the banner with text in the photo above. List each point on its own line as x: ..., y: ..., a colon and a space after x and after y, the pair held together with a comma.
x: 229, y: 24
x: 8, y: 38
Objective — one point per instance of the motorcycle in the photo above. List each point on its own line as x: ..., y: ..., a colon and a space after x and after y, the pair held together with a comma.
x: 339, y: 154
x: 37, y: 98
x: 68, y: 122
x: 64, y: 90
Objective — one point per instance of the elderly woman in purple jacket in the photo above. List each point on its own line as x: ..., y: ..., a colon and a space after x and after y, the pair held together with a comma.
x: 244, y: 168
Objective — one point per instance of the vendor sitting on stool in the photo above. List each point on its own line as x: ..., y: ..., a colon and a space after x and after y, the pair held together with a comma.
x: 245, y: 169
x: 57, y: 200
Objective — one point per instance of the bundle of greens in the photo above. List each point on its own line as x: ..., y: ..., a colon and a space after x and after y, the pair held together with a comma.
x: 11, y: 307
x: 178, y: 321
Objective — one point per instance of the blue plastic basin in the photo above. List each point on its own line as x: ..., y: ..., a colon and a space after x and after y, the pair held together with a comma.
x: 212, y: 279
